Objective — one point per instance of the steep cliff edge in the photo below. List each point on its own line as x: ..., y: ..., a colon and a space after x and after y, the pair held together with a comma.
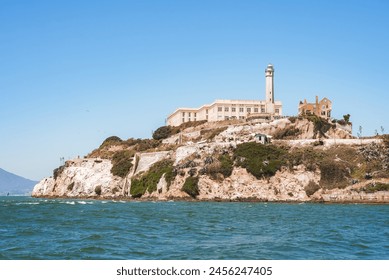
x: 224, y: 161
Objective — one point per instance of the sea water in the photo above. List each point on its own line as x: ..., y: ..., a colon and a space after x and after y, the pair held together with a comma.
x: 33, y: 228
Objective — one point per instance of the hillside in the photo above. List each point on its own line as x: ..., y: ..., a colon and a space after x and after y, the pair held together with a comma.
x: 308, y: 159
x: 14, y: 185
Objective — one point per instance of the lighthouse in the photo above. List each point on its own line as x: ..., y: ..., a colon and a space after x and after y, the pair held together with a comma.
x: 269, y: 74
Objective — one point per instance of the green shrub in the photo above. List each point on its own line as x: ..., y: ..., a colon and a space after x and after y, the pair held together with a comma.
x: 147, y: 144
x: 149, y: 180
x: 372, y: 188
x: 260, y: 160
x: 70, y: 186
x: 162, y: 133
x: 122, y: 163
x: 98, y: 190
x: 58, y: 171
x: 111, y: 141
x: 226, y: 165
x: 223, y: 165
x: 334, y: 174
x: 191, y: 186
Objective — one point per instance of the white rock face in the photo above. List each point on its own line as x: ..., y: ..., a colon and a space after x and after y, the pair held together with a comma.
x: 284, y: 186
x: 146, y: 160
x: 184, y: 152
x: 80, y: 178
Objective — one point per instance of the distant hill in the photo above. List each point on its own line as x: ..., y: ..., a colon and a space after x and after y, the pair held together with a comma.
x: 14, y: 184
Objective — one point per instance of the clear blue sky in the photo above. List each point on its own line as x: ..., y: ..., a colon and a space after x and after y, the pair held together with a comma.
x: 73, y: 73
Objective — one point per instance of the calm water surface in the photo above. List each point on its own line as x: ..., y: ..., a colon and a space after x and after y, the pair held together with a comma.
x: 89, y: 229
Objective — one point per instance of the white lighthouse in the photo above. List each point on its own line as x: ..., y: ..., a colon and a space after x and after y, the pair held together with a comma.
x: 269, y: 73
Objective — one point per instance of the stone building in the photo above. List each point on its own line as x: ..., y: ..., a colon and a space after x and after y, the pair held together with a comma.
x: 264, y: 110
x: 320, y: 108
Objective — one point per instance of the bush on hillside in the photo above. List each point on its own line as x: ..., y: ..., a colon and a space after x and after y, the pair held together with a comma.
x: 149, y: 180
x: 111, y: 141
x: 223, y: 165
x: 122, y: 163
x: 191, y: 186
x: 260, y: 160
x: 146, y: 144
x: 334, y: 174
x: 162, y: 133
x: 58, y: 171
x: 98, y: 190
x: 377, y: 187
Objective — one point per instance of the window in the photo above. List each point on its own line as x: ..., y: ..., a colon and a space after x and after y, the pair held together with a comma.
x: 233, y: 109
x: 206, y: 111
x: 189, y: 114
x: 248, y: 110
x: 189, y: 119
x: 219, y: 109
x: 226, y: 109
x: 183, y: 120
x: 255, y: 110
x: 241, y: 110
x: 195, y: 114
x: 183, y: 114
x: 262, y: 110
x: 277, y: 111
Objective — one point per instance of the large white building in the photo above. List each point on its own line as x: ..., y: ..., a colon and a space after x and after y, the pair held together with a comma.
x: 267, y: 109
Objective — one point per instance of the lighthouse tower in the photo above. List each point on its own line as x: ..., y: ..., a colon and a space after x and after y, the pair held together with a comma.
x: 269, y: 73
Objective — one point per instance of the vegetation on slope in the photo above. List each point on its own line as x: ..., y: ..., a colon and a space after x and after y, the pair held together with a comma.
x: 191, y: 186
x: 222, y: 165
x: 372, y: 188
x: 149, y: 180
x: 122, y: 163
x: 260, y: 160
x: 164, y: 132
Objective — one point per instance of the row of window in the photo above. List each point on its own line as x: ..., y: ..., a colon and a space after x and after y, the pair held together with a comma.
x: 241, y: 110
x: 189, y: 114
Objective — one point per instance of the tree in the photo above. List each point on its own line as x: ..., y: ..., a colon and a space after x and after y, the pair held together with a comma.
x: 162, y: 132
x: 346, y: 118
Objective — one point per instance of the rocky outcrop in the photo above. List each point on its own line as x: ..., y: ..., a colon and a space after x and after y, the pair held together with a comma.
x: 81, y: 178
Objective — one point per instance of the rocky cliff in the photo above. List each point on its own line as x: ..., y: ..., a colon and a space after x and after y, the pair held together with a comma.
x: 223, y: 161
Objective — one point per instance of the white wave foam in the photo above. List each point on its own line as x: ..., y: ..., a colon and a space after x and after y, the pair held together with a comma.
x: 27, y: 203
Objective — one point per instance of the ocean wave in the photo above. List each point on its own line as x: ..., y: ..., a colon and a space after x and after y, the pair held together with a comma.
x: 27, y: 203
